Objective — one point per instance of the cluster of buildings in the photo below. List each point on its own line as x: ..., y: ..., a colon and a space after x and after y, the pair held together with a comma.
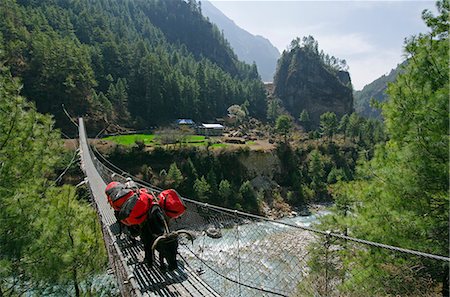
x: 214, y: 129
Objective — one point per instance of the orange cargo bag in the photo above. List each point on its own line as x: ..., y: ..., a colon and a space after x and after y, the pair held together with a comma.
x: 170, y: 201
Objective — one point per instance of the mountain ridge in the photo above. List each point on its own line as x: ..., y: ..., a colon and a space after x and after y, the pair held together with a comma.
x: 375, y: 90
x: 248, y: 47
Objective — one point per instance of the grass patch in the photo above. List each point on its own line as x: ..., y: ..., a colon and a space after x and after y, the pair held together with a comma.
x: 217, y: 145
x: 203, y: 143
x: 131, y: 139
x: 195, y: 138
x: 151, y: 139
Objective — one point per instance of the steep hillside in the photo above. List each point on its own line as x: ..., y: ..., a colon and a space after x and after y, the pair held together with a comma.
x: 248, y: 47
x: 127, y: 62
x: 312, y: 81
x: 375, y: 90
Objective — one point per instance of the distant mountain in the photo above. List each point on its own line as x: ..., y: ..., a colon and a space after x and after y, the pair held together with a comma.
x: 248, y: 47
x: 311, y: 81
x: 375, y: 90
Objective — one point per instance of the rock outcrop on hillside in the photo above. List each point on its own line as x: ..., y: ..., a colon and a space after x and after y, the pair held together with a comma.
x: 304, y: 81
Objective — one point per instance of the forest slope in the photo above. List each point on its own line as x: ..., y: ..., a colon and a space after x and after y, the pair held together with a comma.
x: 134, y: 63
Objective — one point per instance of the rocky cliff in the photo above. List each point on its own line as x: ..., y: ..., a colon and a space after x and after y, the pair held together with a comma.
x: 304, y: 80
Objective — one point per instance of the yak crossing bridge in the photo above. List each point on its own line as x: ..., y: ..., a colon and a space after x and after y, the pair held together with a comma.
x: 234, y: 253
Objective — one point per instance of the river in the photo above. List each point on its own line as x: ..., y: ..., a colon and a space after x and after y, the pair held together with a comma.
x: 259, y: 254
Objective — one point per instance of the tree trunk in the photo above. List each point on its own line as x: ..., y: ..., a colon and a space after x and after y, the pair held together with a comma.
x: 75, y: 282
x: 445, y: 284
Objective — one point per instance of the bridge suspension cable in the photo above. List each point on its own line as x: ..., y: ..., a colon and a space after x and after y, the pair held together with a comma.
x: 269, y: 257
x: 257, y: 217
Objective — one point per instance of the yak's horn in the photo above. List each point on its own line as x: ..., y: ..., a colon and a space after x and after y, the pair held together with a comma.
x: 189, y: 234
x: 164, y: 236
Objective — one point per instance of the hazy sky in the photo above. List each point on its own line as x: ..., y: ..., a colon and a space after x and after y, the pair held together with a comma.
x: 368, y: 34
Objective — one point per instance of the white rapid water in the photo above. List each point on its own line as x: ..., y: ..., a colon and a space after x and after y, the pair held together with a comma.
x: 268, y: 255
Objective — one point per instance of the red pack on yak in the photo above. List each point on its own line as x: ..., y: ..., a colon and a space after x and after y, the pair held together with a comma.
x: 130, y: 206
x: 171, y: 203
x: 117, y: 193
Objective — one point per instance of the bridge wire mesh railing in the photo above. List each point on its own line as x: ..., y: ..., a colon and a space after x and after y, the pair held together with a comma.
x: 240, y: 254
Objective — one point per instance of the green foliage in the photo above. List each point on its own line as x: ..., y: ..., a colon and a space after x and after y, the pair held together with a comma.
x: 48, y: 238
x: 174, y: 177
x: 316, y: 169
x: 284, y: 125
x: 328, y: 125
x: 304, y: 120
x: 273, y: 110
x: 335, y: 175
x: 354, y: 126
x: 133, y: 53
x: 69, y: 231
x: 226, y: 193
x: 212, y: 181
x: 202, y: 189
x: 247, y: 197
x: 401, y: 195
x: 131, y: 139
x: 343, y: 123
x: 62, y: 75
x: 311, y: 45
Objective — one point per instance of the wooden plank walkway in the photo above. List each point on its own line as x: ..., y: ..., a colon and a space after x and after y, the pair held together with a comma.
x: 126, y: 256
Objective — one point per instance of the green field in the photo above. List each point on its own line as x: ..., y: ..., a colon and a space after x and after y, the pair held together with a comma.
x: 152, y: 140
x: 131, y: 139
x: 195, y: 138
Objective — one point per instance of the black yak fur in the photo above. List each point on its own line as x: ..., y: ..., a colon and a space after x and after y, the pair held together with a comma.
x: 151, y: 229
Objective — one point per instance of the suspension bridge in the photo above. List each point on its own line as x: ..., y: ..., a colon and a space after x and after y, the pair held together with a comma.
x: 234, y: 254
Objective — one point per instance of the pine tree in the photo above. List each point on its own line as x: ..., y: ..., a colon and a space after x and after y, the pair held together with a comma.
x: 343, y: 123
x: 225, y: 193
x: 316, y: 170
x: 273, y: 110
x: 174, y: 177
x: 401, y: 195
x: 284, y: 126
x: 48, y: 238
x: 353, y: 128
x: 328, y: 125
x: 247, y: 197
x: 304, y: 120
x: 202, y: 189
